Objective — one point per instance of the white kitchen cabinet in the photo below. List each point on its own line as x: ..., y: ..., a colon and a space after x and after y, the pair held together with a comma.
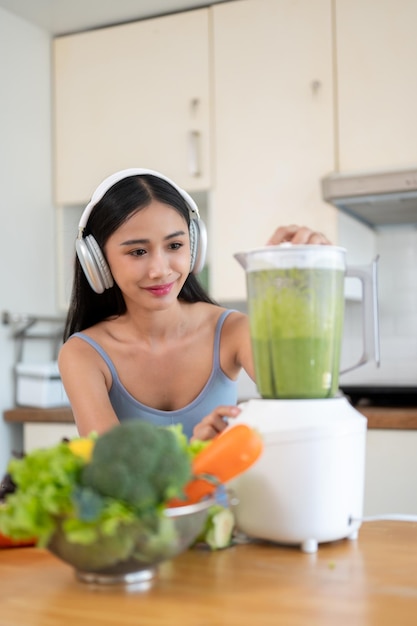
x: 391, y: 473
x: 376, y: 49
x: 45, y: 434
x: 134, y: 95
x: 273, y: 132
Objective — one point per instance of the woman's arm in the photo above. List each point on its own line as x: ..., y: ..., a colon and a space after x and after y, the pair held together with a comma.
x: 86, y: 380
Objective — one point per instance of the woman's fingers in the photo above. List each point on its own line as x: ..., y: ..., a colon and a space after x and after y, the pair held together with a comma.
x: 214, y: 423
x: 297, y: 235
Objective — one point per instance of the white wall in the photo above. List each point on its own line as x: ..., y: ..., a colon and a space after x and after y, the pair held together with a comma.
x: 27, y: 268
x: 398, y: 298
x: 397, y: 288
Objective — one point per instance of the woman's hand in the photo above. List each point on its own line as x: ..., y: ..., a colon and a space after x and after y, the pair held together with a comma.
x: 297, y: 234
x: 214, y: 423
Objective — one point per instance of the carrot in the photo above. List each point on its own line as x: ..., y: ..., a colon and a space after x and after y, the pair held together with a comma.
x: 7, y: 542
x: 228, y: 455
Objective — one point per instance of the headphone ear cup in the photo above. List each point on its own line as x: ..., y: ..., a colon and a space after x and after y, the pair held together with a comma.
x: 94, y: 264
x: 198, y: 245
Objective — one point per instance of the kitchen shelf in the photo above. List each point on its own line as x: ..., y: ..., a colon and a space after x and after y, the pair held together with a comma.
x: 390, y: 418
x: 60, y: 415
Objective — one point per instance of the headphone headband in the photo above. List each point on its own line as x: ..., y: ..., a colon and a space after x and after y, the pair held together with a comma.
x: 111, y: 180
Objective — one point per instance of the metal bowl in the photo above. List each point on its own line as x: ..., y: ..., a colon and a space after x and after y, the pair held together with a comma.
x: 132, y: 556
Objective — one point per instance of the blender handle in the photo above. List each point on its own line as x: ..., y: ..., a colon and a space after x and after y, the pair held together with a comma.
x: 368, y: 275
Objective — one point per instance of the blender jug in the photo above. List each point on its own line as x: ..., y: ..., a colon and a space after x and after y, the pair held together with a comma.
x: 296, y: 310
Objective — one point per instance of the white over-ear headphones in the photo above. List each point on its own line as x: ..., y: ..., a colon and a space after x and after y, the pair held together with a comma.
x: 92, y: 259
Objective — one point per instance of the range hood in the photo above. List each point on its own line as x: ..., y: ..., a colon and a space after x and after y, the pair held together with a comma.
x: 374, y: 198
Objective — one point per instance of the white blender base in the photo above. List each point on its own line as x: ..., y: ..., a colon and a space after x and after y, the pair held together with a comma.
x: 307, y: 487
x: 310, y: 546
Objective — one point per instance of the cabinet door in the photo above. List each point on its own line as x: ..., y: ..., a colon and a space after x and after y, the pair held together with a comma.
x: 45, y: 434
x: 135, y: 95
x: 376, y: 48
x: 391, y: 471
x: 273, y: 102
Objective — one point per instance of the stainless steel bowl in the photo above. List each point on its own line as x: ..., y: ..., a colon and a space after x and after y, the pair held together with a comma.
x: 132, y: 557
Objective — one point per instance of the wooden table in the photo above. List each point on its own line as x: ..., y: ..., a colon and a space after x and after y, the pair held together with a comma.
x: 370, y: 581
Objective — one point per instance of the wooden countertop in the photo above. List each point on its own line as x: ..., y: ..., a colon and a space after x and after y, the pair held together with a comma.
x: 368, y: 582
x: 391, y: 418
x: 30, y: 414
x: 398, y: 418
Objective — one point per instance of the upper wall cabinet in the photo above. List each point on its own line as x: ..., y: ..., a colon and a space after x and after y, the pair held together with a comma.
x: 376, y: 51
x: 273, y: 102
x: 135, y: 95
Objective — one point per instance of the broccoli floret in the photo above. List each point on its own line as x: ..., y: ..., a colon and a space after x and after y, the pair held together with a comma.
x: 139, y: 463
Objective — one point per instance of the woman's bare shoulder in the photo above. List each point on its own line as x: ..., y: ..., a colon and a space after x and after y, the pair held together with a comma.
x: 211, y: 313
x: 71, y: 355
x: 76, y: 347
x: 79, y: 361
x: 237, y: 320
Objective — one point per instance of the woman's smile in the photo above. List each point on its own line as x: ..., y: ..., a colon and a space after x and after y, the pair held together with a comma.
x: 160, y: 290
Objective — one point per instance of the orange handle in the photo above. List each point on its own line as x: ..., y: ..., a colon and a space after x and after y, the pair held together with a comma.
x: 228, y: 455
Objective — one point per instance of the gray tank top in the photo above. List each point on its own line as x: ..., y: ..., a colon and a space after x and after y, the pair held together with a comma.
x: 219, y: 389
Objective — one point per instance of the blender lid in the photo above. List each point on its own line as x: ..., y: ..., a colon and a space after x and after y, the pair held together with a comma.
x: 292, y: 255
x: 282, y: 421
x: 287, y: 245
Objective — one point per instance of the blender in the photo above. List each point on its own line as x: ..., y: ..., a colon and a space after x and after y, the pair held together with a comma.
x: 308, y: 486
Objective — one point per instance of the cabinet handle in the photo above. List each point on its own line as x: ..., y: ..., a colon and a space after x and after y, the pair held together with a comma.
x: 193, y: 153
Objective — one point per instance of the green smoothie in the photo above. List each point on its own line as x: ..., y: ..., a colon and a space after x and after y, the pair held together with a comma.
x: 296, y: 319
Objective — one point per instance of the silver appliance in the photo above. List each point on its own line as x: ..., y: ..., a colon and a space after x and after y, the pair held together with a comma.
x: 376, y: 198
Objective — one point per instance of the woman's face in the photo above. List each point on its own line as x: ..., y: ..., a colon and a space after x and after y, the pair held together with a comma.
x: 149, y: 255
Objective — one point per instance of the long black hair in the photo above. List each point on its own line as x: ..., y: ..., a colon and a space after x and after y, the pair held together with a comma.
x: 124, y: 198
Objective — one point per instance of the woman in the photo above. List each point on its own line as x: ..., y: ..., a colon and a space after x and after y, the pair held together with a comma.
x: 142, y: 338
